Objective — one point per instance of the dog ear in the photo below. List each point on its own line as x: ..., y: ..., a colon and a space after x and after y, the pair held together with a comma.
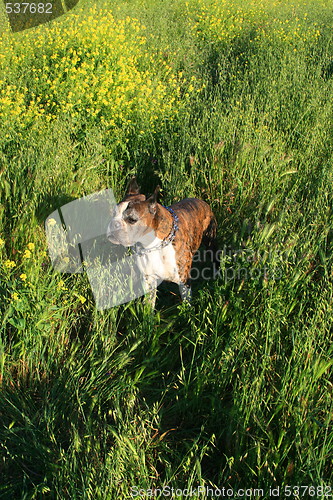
x: 152, y: 200
x: 133, y: 187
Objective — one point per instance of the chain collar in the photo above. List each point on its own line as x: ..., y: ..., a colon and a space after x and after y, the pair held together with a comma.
x: 140, y: 250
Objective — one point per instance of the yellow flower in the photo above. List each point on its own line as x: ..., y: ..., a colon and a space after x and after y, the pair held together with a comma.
x: 51, y: 222
x: 2, y: 242
x: 82, y: 299
x: 9, y: 264
x: 61, y: 285
x: 31, y: 246
x: 23, y: 276
x: 15, y: 296
x: 27, y: 254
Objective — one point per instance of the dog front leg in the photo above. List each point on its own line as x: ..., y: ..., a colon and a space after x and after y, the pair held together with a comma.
x: 151, y: 287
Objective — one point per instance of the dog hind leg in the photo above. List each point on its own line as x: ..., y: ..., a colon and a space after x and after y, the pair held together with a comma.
x: 185, y: 291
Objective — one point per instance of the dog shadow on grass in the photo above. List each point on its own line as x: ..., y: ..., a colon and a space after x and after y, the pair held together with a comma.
x: 197, y: 419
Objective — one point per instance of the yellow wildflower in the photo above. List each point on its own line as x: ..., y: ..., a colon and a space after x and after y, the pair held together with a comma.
x: 27, y: 254
x: 15, y: 296
x: 9, y: 264
x: 23, y: 276
x: 51, y: 222
x: 61, y: 285
x: 82, y: 299
x: 31, y: 246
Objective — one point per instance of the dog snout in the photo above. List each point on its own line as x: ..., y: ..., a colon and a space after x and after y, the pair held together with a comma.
x: 113, y: 227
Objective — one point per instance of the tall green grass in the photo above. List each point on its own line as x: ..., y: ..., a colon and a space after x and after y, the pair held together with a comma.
x: 234, y: 391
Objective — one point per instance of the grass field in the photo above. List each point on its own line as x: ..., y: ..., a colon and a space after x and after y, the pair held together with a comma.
x: 228, y: 101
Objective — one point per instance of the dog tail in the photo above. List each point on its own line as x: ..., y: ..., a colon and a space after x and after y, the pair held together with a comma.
x: 210, y: 241
x: 209, y: 236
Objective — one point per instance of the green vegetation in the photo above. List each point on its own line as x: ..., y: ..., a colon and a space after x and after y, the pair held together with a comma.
x: 228, y: 102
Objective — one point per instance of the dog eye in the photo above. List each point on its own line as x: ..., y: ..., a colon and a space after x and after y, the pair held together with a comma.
x: 130, y: 220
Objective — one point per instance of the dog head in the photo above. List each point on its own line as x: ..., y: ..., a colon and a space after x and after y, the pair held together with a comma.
x: 133, y: 219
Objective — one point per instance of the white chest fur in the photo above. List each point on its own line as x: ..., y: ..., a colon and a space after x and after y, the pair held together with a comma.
x: 159, y: 263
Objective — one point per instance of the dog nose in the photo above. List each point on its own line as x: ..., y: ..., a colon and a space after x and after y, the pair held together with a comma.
x: 113, y: 227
